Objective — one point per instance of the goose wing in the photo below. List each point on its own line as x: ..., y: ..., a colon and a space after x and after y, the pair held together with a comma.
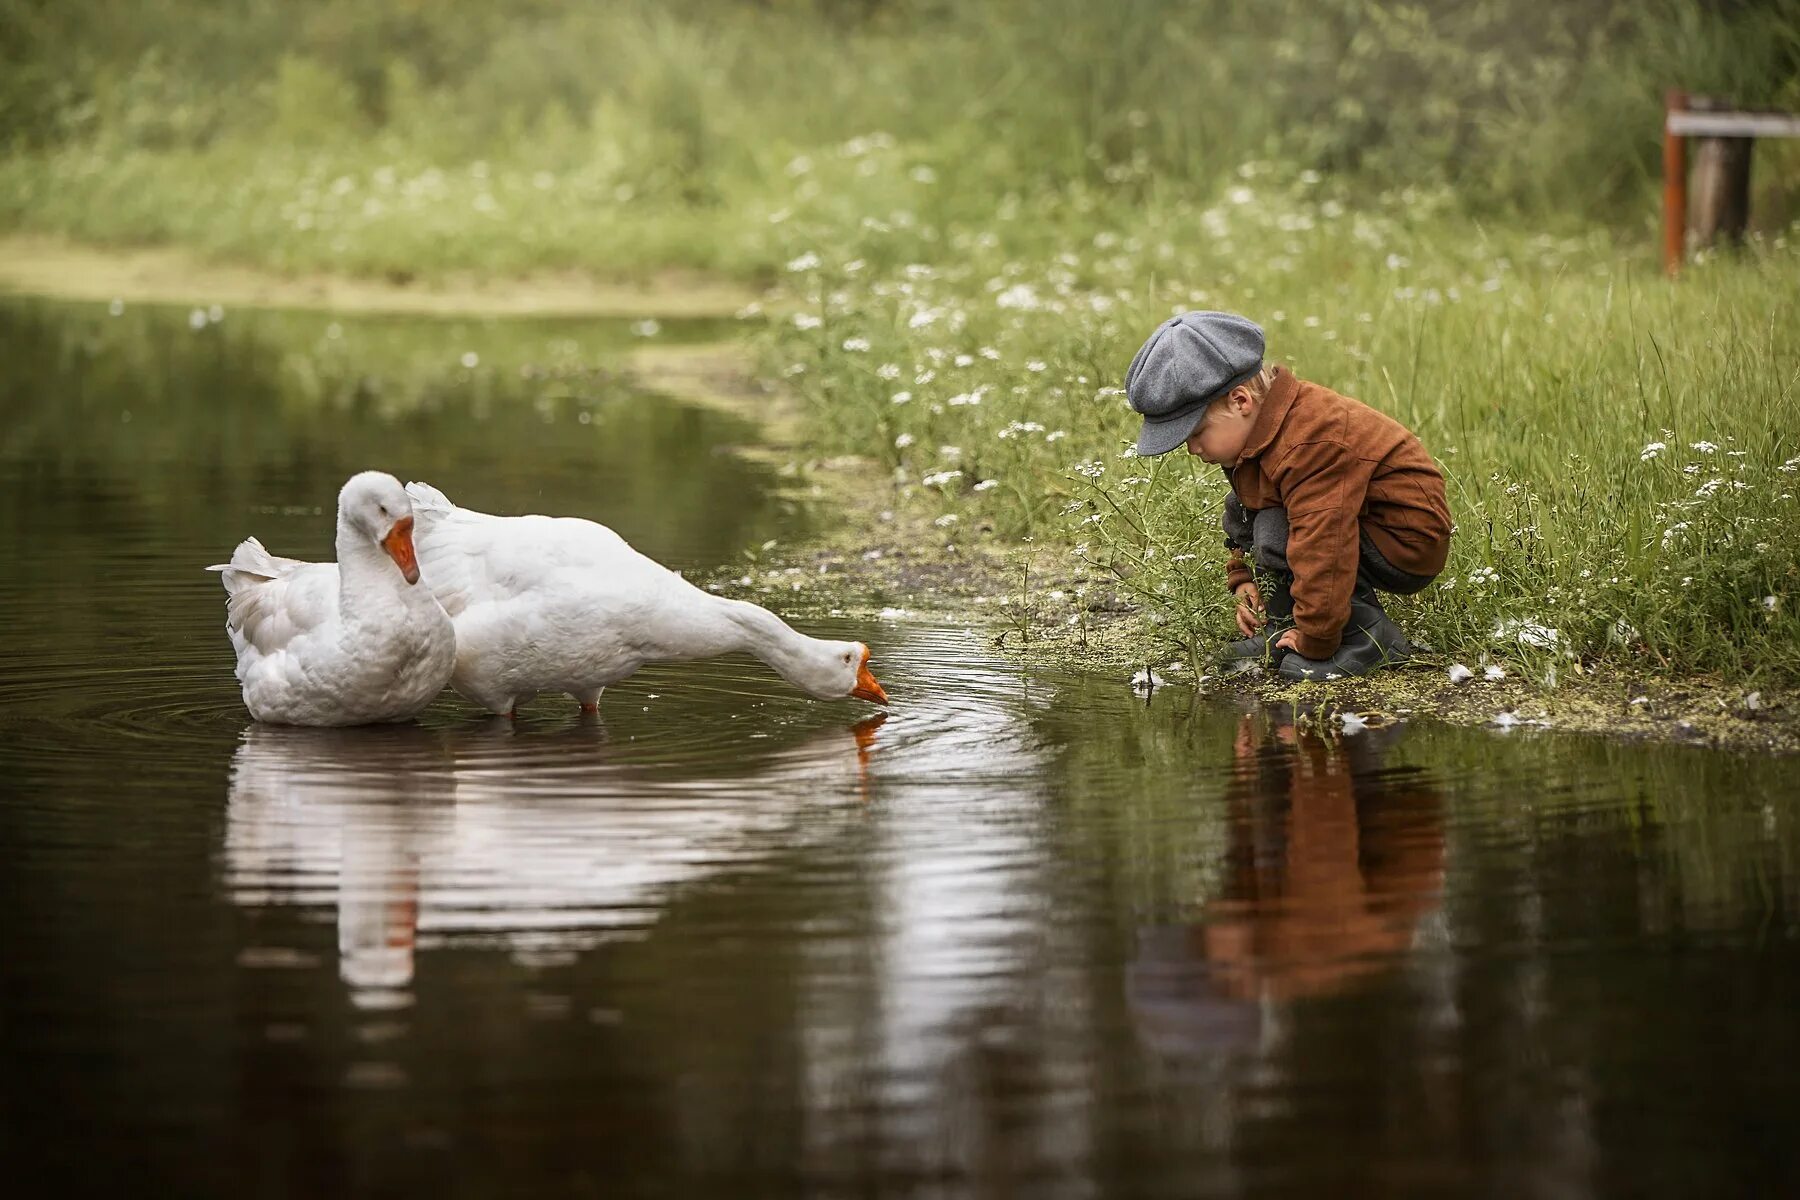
x: 273, y: 600
x: 470, y: 558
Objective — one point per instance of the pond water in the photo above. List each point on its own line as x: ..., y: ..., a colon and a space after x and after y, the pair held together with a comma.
x: 1026, y: 934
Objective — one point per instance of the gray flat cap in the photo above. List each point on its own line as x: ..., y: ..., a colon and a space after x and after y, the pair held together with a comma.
x: 1187, y: 363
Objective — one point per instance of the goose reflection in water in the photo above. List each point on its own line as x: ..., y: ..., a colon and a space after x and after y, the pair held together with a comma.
x: 1333, y: 863
x: 543, y: 842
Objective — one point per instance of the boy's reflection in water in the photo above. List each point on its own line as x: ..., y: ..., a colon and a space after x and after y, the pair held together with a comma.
x: 1333, y: 861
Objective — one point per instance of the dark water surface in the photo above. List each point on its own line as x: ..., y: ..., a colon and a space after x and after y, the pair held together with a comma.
x: 1029, y: 935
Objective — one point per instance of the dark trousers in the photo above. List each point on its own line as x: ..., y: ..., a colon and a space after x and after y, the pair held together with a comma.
x: 1262, y: 534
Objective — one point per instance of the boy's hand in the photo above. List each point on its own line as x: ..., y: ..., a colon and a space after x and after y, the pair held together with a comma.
x: 1250, y: 609
x: 1290, y: 640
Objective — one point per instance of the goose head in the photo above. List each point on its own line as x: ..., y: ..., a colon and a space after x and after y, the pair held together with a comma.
x: 829, y: 670
x: 375, y: 505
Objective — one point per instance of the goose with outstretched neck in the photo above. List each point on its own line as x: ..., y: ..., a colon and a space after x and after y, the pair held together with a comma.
x: 562, y: 604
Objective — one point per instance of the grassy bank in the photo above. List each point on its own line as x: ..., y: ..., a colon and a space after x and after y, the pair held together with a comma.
x: 1620, y: 450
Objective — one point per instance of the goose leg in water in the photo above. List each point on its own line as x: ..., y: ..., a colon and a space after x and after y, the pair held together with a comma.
x: 589, y: 700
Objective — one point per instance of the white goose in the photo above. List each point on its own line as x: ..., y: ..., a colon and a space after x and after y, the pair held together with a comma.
x: 345, y: 643
x: 560, y: 604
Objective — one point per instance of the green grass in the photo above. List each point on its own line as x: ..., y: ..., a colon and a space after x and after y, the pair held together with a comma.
x: 1537, y: 369
x: 390, y: 137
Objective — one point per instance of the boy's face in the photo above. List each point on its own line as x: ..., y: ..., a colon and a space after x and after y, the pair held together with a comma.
x: 1222, y: 432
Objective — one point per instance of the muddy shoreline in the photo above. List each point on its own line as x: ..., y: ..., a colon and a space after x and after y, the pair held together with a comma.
x: 54, y: 268
x: 879, y: 554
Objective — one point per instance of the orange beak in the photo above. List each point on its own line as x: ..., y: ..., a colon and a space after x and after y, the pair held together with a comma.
x: 866, y: 688
x: 398, y: 544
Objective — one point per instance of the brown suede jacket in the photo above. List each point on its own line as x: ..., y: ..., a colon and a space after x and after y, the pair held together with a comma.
x: 1340, y: 469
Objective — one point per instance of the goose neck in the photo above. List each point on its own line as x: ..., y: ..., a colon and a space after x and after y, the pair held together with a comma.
x: 768, y: 637
x: 364, y: 569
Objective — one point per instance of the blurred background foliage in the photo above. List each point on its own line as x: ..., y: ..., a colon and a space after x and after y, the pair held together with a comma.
x: 698, y: 105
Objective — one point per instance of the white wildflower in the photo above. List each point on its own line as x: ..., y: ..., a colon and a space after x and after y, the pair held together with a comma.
x: 1021, y: 296
x: 901, y: 397
x: 903, y: 441
x: 940, y: 478
x: 471, y: 360
x: 806, y: 262
x: 888, y: 371
x: 807, y: 321
x: 987, y: 485
x: 1651, y: 451
x: 1038, y: 365
x: 856, y: 345
x: 1703, y: 447
x: 946, y: 521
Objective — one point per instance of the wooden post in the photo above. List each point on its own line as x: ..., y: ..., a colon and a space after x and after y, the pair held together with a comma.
x: 1674, y: 186
x: 1721, y: 183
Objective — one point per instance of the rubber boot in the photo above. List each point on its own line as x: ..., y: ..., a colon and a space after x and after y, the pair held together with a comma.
x: 1371, y: 641
x: 1278, y: 608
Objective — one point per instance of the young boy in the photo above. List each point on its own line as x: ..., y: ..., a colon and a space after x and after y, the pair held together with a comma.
x: 1331, y: 499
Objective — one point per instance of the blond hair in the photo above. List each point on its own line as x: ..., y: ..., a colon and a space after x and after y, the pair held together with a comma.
x: 1259, y: 385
